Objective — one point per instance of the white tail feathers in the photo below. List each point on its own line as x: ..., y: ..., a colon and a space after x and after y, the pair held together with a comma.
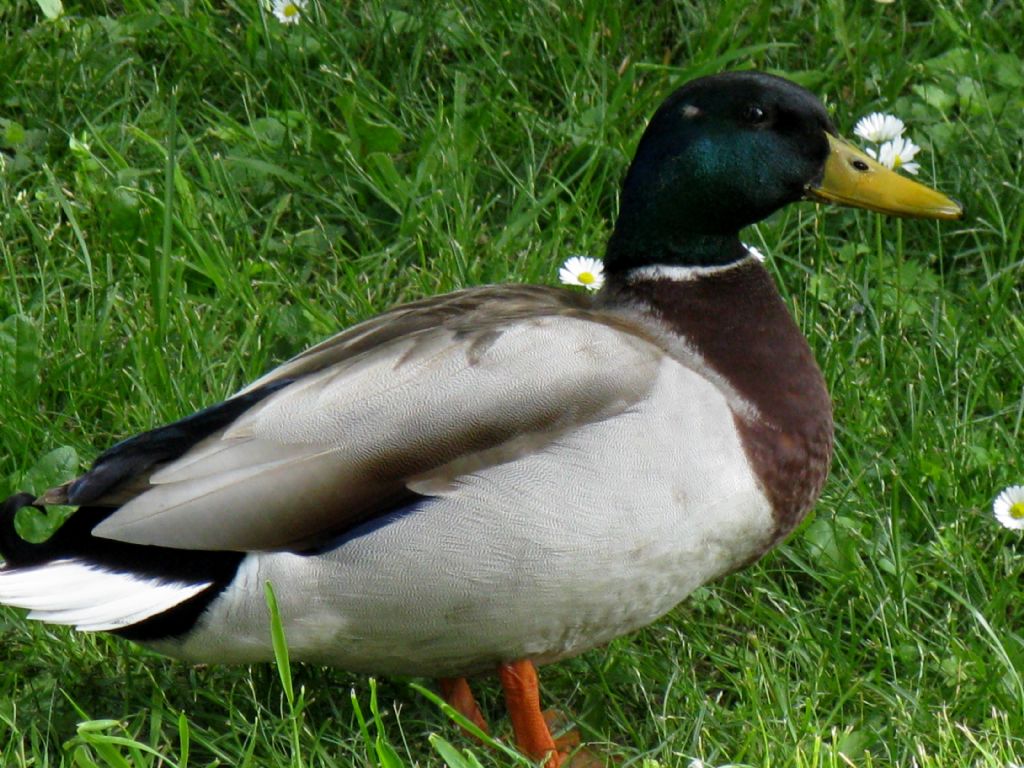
x: 90, y: 597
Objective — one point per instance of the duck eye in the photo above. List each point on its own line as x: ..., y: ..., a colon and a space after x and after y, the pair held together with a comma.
x: 859, y: 165
x: 755, y: 115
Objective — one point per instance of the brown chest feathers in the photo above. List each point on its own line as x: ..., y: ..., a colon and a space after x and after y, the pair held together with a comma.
x: 735, y: 323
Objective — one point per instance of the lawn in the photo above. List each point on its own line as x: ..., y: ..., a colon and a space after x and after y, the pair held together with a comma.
x: 192, y: 191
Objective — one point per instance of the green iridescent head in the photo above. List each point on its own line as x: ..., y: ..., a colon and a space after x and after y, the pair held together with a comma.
x: 725, y: 151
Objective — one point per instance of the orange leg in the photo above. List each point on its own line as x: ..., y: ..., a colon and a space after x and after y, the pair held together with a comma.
x: 522, y: 697
x: 459, y: 695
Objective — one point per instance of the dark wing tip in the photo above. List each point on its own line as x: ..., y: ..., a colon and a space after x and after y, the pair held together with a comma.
x: 138, y: 455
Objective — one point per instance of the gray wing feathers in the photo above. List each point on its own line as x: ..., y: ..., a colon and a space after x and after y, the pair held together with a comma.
x: 413, y: 411
x: 464, y: 310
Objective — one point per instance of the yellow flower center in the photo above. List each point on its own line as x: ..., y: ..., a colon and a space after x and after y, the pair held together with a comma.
x: 1017, y: 510
x: 291, y: 10
x: 587, y: 278
x: 897, y: 161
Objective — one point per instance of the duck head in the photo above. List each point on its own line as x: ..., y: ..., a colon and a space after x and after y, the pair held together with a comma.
x: 725, y: 151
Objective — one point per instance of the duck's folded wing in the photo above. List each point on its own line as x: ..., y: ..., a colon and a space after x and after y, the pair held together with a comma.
x: 341, y: 441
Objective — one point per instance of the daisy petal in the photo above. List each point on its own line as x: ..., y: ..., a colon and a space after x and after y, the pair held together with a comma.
x: 878, y: 127
x: 582, y: 270
x: 289, y: 11
x: 1009, y: 507
x: 897, y: 153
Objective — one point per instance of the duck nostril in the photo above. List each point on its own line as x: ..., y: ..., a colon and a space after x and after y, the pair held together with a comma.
x: 859, y: 165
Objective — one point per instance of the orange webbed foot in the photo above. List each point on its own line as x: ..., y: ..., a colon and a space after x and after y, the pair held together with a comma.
x: 459, y: 695
x: 532, y: 728
x: 568, y: 740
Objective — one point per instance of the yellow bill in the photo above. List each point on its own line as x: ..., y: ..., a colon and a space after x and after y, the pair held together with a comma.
x: 853, y: 178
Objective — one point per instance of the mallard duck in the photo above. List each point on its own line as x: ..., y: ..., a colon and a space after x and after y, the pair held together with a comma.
x: 502, y: 476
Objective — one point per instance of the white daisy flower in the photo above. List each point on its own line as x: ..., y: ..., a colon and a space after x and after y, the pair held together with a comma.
x: 582, y: 270
x: 1009, y: 507
x: 755, y: 252
x: 878, y: 127
x: 897, y: 154
x: 289, y: 11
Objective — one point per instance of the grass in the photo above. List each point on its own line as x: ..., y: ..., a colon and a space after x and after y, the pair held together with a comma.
x: 192, y: 191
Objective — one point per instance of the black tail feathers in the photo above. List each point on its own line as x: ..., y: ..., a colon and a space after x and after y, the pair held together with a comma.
x: 74, y: 540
